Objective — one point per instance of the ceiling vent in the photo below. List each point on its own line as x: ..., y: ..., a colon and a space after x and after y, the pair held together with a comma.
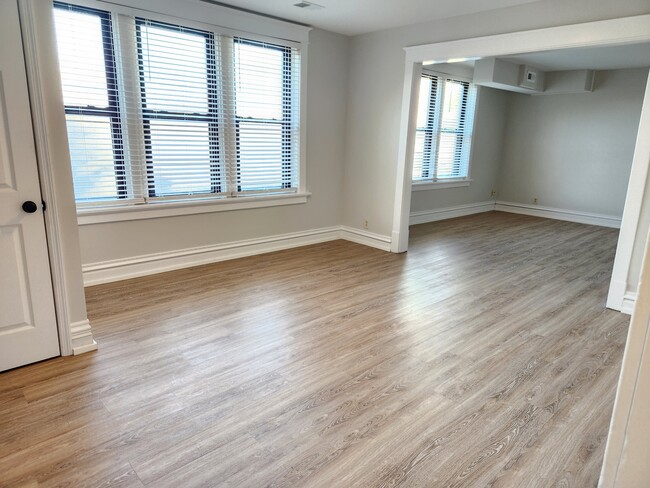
x: 308, y: 5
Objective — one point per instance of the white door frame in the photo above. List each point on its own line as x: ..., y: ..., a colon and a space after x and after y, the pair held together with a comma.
x: 627, y: 30
x: 51, y: 215
x: 626, y: 456
x: 75, y: 333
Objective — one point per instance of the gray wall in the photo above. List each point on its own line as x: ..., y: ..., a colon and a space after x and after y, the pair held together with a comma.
x: 326, y: 111
x: 377, y: 80
x: 574, y: 151
x: 487, y: 151
x: 351, y: 140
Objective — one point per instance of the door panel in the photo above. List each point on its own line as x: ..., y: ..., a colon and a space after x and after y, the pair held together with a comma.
x: 15, y: 299
x: 28, y: 330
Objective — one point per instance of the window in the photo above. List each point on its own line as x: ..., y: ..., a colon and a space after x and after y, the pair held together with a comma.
x: 91, y: 100
x: 443, y: 137
x: 157, y: 111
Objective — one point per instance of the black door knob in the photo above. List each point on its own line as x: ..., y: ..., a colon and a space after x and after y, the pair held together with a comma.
x: 30, y: 207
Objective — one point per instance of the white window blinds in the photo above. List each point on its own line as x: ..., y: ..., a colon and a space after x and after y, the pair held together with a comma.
x: 187, y: 113
x: 90, y: 94
x: 445, y: 122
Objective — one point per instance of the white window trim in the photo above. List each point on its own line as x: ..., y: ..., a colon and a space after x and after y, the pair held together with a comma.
x: 230, y: 23
x: 422, y: 185
x: 169, y: 208
x: 440, y: 184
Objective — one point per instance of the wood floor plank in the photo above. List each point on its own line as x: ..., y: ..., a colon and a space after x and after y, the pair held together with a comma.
x: 482, y: 357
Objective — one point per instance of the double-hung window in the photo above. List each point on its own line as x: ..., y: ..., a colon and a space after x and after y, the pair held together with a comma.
x: 92, y: 104
x: 179, y: 109
x: 445, y: 121
x: 163, y: 111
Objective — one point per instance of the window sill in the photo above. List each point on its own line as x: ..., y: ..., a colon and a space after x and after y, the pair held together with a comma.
x: 98, y: 215
x: 438, y: 185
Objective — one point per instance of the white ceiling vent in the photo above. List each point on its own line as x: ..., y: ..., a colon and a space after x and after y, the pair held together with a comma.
x: 308, y: 5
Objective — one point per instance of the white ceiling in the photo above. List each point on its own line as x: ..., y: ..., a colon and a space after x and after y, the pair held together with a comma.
x: 353, y: 17
x: 595, y: 58
x: 610, y: 57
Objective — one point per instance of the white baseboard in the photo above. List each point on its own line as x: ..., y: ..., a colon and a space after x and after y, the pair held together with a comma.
x: 560, y: 214
x: 366, y: 238
x: 82, y: 337
x: 121, y: 269
x: 629, y: 300
x: 425, y: 216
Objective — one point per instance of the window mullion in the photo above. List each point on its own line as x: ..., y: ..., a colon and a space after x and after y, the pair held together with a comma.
x: 216, y: 169
x: 460, y: 132
x: 227, y: 115
x: 428, y: 148
x: 132, y: 121
x: 437, y: 101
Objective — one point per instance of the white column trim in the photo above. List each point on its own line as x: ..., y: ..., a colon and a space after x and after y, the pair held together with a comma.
x: 632, y: 212
x: 623, y: 459
x: 403, y: 181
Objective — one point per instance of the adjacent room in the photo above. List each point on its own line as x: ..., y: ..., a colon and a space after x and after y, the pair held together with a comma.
x: 332, y: 244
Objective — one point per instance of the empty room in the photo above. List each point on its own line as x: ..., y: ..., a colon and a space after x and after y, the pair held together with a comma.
x: 324, y: 244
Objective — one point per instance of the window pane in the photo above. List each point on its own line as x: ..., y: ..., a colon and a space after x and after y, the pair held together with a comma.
x: 418, y: 157
x: 452, y: 105
x: 81, y: 58
x: 180, y: 151
x: 448, y: 164
x: 423, y: 102
x: 258, y: 81
x: 91, y: 152
x: 260, y: 156
x: 174, y: 69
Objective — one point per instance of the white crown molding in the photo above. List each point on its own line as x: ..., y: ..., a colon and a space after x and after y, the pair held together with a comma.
x: 424, y: 216
x: 560, y: 214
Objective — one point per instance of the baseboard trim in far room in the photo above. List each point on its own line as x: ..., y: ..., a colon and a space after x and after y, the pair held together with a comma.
x: 559, y: 214
x: 425, y: 216
x: 366, y: 238
x: 133, y: 267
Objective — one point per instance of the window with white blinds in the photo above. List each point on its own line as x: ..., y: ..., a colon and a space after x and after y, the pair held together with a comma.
x: 445, y: 121
x: 162, y: 111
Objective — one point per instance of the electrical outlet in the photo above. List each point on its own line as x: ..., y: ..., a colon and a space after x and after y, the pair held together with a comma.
x: 365, y: 224
x: 535, y: 200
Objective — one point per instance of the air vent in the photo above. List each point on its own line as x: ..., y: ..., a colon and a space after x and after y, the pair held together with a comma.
x: 308, y: 5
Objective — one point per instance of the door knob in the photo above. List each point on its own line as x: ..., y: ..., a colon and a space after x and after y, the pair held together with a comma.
x: 30, y: 207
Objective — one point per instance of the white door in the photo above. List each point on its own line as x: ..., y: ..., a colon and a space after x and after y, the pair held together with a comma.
x: 28, y: 330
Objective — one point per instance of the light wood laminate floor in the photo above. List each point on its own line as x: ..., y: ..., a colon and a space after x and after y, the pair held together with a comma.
x: 482, y: 357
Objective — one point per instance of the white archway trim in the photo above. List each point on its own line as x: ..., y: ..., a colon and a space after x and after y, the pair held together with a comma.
x: 618, y: 288
x: 627, y: 30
